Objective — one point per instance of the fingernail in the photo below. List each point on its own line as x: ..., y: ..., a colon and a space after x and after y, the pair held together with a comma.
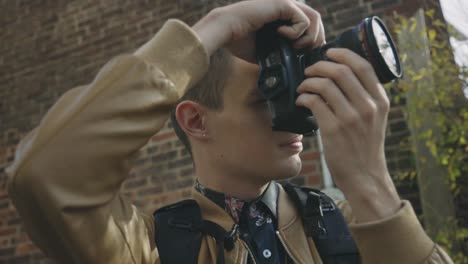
x: 299, y: 101
x: 330, y: 50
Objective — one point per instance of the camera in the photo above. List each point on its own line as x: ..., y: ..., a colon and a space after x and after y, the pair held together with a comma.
x: 282, y: 68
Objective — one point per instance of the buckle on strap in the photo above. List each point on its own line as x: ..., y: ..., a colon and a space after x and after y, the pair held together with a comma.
x: 223, y: 238
x: 313, y: 215
x: 230, y: 239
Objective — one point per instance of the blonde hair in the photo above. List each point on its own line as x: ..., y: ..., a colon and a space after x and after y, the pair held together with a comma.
x: 208, y: 91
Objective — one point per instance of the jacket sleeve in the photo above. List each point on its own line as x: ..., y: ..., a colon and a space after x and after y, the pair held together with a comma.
x: 397, y: 239
x: 67, y: 172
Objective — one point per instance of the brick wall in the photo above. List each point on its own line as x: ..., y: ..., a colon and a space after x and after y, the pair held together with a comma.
x: 49, y: 47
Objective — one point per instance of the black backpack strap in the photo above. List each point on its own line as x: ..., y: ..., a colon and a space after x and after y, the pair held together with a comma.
x: 179, y: 231
x: 324, y: 222
x: 176, y: 238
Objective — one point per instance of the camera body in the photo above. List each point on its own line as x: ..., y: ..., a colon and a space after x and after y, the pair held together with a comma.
x: 282, y: 68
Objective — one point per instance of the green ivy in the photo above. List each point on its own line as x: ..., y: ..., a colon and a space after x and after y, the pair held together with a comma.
x: 449, y: 116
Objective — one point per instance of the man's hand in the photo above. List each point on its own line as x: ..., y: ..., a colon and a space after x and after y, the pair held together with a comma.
x: 234, y: 26
x: 351, y: 108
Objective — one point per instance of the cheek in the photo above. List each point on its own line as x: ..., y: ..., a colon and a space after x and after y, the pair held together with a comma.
x: 257, y: 143
x: 256, y: 115
x: 245, y: 131
x: 246, y: 117
x: 254, y: 125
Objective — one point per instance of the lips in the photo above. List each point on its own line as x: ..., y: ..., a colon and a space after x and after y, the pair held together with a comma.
x: 291, y: 141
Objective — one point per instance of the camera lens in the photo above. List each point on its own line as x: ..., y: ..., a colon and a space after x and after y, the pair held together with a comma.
x: 372, y: 41
x: 386, y: 48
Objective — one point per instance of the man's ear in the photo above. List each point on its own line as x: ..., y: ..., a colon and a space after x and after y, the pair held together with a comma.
x: 191, y: 117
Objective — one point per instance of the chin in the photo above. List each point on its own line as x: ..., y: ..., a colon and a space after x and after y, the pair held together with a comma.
x: 288, y: 168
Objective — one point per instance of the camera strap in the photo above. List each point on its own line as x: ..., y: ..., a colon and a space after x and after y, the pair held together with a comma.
x: 325, y: 224
x: 179, y: 231
x: 180, y: 228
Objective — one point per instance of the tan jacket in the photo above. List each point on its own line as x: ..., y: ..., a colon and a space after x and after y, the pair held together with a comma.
x: 67, y: 173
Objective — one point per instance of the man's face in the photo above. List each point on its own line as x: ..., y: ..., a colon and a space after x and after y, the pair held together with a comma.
x: 243, y: 141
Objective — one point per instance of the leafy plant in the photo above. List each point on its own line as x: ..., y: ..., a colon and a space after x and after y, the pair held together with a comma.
x: 444, y: 100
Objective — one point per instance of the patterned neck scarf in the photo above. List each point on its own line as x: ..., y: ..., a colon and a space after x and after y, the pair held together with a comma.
x: 256, y: 220
x: 259, y: 208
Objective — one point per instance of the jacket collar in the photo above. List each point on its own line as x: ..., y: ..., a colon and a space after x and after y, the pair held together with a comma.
x: 290, y: 225
x: 270, y: 198
x: 234, y: 205
x: 212, y: 212
x: 274, y: 197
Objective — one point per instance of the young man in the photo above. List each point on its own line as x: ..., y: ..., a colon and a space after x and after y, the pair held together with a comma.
x: 66, y: 177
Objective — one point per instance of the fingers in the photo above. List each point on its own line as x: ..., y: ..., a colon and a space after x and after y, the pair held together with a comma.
x: 330, y: 93
x: 307, y: 27
x: 245, y: 17
x: 364, y: 71
x: 315, y: 33
x: 238, y: 21
x: 347, y: 83
x: 290, y: 11
x: 324, y: 116
x: 349, y: 87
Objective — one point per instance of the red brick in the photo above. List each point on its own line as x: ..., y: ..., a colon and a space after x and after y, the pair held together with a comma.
x: 3, y: 195
x: 313, y: 155
x: 4, y: 243
x: 7, y: 231
x: 314, y: 180
x: 24, y: 249
x: 307, y: 169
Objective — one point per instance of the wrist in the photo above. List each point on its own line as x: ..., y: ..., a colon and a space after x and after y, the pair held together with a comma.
x: 372, y: 202
x: 209, y: 30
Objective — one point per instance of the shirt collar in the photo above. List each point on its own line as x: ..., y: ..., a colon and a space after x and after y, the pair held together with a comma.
x: 234, y: 206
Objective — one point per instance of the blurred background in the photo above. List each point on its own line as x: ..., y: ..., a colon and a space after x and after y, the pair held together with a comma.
x: 49, y: 47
